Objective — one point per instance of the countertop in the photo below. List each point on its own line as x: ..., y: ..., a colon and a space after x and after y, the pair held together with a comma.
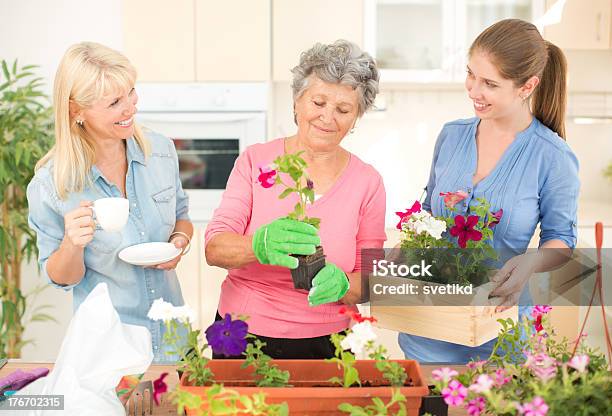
x: 167, y: 408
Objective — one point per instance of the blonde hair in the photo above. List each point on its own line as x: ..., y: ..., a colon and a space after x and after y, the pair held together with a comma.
x: 87, y: 72
x: 519, y: 52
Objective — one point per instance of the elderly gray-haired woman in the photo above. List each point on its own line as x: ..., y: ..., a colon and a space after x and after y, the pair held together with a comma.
x: 333, y: 86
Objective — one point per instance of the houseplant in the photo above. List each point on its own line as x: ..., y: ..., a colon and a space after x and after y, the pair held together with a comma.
x: 534, y: 375
x: 293, y: 167
x: 337, y: 386
x: 459, y: 254
x: 25, y: 136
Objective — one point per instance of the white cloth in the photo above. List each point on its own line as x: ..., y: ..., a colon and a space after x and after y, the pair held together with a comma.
x: 96, y: 352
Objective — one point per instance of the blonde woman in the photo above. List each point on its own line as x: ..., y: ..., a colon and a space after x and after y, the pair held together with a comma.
x: 100, y: 152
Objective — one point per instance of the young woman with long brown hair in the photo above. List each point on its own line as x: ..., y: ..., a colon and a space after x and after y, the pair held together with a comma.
x: 514, y: 154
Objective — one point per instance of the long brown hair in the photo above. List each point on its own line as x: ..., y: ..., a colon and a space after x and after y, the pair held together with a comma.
x: 519, y: 52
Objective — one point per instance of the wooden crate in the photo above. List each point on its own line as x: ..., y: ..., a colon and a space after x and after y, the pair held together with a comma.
x: 454, y: 321
x: 465, y: 325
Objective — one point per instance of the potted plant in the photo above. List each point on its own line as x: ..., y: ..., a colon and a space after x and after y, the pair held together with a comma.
x: 260, y: 385
x: 25, y: 136
x: 293, y: 167
x: 532, y: 375
x: 458, y: 252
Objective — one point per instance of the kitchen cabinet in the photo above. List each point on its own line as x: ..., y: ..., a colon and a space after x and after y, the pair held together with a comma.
x: 584, y: 25
x: 198, y: 40
x: 232, y: 40
x: 428, y: 40
x: 298, y: 25
x: 158, y: 38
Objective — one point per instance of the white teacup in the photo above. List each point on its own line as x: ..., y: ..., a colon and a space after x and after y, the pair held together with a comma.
x: 111, y: 213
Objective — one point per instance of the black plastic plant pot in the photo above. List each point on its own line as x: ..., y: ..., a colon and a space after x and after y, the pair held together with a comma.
x: 307, y: 269
x: 433, y: 404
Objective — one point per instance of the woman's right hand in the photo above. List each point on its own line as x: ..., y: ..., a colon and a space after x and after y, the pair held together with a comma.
x: 273, y: 243
x: 79, y: 225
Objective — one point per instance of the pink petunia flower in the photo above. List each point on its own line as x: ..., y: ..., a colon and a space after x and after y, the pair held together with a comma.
x: 453, y: 198
x: 579, y: 363
x: 464, y: 229
x: 159, y: 388
x: 455, y: 393
x: 267, y: 177
x: 443, y: 374
x: 483, y: 384
x: 495, y: 218
x: 540, y: 310
x: 405, y: 216
x: 537, y: 407
x: 500, y: 377
x: 476, y: 407
x: 541, y: 365
x: 476, y: 364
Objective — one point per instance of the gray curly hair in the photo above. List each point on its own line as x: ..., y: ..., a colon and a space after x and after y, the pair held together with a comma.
x: 341, y: 62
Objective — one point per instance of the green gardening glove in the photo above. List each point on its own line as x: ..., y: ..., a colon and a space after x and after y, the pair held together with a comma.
x: 273, y: 243
x: 329, y: 285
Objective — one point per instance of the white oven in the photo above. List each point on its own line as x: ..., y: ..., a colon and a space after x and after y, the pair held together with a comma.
x: 210, y: 125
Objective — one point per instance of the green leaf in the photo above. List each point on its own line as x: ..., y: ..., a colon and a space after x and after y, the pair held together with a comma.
x: 42, y: 317
x: 351, y: 377
x: 286, y: 193
x: 5, y: 70
x: 310, y: 195
x: 18, y: 154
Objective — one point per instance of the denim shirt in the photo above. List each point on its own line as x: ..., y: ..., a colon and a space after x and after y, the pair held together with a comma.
x: 535, y: 181
x: 157, y: 200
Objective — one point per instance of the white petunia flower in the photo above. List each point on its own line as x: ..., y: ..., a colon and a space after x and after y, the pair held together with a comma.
x: 165, y: 311
x: 434, y: 227
x: 161, y: 310
x: 361, y: 333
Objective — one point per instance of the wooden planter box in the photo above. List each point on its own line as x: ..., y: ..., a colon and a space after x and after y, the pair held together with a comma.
x: 455, y: 321
x: 311, y: 393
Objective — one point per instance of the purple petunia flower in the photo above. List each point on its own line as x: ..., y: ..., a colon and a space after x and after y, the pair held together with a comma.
x: 227, y: 337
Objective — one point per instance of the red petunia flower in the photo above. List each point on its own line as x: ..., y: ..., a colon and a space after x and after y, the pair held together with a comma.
x: 159, y: 388
x: 356, y: 316
x: 405, y: 216
x: 267, y: 177
x: 464, y: 229
x: 495, y: 218
x: 537, y: 324
x: 453, y: 198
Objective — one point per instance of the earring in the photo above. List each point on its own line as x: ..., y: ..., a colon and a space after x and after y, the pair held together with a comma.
x: 352, y: 130
x: 79, y: 122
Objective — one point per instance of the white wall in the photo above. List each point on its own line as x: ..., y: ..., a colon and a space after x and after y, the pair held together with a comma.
x: 38, y: 32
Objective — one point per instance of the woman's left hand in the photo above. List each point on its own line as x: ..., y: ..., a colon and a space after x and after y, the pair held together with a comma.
x: 511, y: 280
x: 180, y: 242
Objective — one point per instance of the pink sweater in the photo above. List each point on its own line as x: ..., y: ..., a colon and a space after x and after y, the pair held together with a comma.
x: 352, y: 216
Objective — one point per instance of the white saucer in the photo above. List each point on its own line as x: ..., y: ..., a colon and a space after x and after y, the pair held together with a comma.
x: 149, y: 254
